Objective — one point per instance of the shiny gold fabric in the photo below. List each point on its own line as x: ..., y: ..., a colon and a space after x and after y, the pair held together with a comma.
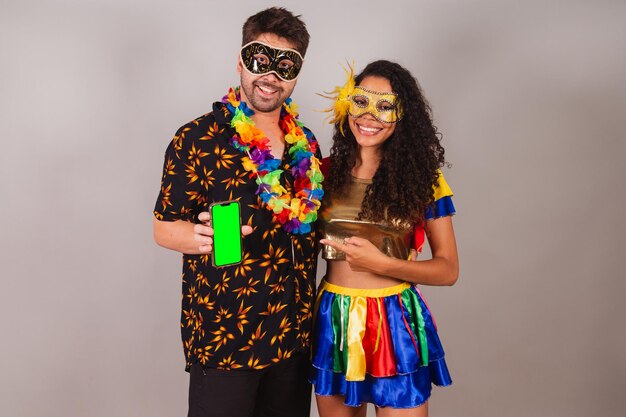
x: 339, y: 222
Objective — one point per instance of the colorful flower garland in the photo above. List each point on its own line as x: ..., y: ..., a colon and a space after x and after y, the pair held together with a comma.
x: 295, y: 213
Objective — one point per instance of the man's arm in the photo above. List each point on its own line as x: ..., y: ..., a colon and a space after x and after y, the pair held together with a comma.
x: 185, y: 237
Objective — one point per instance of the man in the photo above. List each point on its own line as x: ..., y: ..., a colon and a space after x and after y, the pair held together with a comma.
x: 246, y: 327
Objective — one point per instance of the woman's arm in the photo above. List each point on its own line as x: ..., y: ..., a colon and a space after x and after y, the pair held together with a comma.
x: 441, y: 269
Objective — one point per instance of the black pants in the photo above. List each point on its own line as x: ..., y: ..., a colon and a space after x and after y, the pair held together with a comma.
x: 278, y: 391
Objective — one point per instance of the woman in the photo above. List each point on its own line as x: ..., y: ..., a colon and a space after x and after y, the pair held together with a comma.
x: 375, y: 339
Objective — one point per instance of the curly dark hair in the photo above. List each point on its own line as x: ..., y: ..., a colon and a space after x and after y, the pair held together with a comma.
x: 279, y: 21
x: 402, y: 187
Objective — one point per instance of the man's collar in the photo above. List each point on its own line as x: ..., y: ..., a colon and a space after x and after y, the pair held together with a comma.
x: 221, y: 113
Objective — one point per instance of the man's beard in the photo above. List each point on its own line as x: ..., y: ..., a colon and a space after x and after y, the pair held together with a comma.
x: 259, y: 103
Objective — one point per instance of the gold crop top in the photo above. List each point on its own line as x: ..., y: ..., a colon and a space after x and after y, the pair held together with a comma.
x: 339, y: 221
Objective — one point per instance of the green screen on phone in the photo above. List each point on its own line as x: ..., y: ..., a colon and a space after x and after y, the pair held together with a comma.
x: 227, y: 233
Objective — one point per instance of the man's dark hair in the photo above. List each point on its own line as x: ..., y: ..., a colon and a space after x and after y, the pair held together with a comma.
x: 279, y: 21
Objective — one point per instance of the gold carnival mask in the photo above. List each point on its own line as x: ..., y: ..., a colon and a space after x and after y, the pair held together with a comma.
x: 382, y: 106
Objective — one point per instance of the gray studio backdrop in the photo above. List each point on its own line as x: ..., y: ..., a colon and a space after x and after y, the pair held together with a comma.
x: 530, y: 97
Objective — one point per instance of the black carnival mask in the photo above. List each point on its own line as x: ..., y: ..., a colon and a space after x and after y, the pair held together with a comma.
x: 259, y: 58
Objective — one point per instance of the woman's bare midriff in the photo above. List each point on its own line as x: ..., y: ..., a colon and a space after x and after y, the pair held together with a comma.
x: 339, y: 273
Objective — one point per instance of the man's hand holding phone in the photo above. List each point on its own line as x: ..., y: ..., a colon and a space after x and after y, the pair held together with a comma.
x: 203, y: 233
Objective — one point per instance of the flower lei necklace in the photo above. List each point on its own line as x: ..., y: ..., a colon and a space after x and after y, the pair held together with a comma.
x: 295, y: 213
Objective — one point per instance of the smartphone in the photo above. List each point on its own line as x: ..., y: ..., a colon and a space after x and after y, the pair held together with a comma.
x: 226, y: 224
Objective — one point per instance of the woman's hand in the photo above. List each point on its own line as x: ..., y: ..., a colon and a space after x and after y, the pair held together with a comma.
x: 361, y: 254
x: 441, y: 269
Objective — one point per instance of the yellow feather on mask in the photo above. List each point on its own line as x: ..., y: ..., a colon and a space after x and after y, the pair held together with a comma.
x: 341, y: 96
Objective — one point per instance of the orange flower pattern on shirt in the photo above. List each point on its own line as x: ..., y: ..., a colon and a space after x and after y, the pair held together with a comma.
x: 256, y: 313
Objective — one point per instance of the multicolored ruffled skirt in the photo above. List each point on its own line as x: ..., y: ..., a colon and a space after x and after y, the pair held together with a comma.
x: 376, y: 345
